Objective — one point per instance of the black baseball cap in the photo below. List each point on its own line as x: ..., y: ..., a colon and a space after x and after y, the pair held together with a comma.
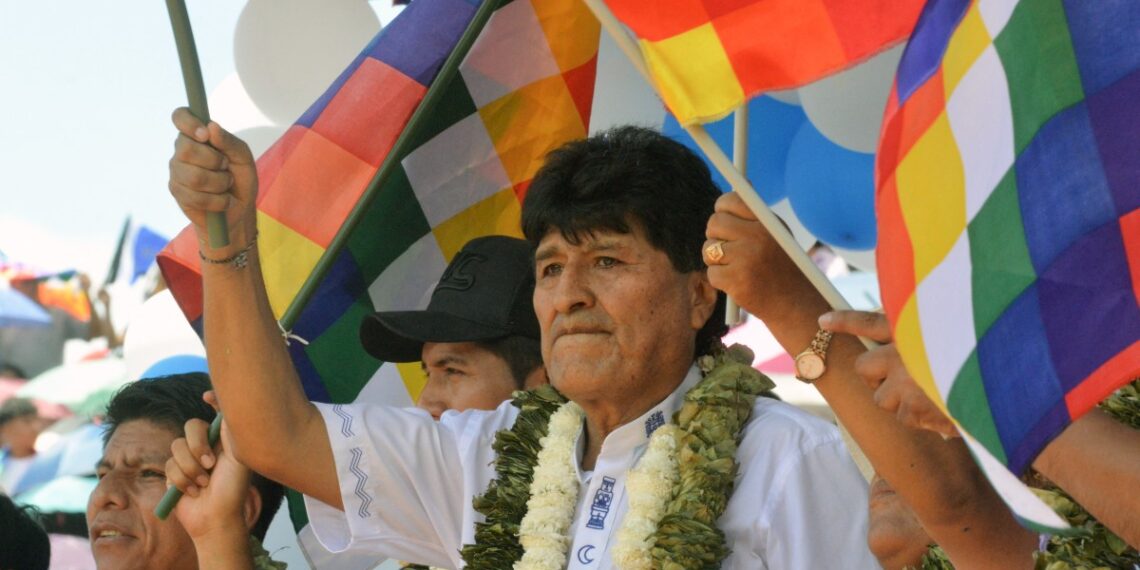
x: 486, y: 293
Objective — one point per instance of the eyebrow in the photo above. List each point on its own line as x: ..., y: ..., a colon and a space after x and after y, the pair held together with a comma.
x: 149, y: 459
x: 444, y: 361
x: 591, y: 246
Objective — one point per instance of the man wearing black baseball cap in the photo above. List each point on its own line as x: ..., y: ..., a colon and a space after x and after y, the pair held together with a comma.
x: 478, y: 339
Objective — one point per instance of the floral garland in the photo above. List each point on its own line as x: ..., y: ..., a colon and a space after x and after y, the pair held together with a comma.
x: 668, y: 526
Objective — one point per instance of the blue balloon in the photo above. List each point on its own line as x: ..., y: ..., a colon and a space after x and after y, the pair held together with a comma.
x: 832, y: 190
x: 771, y: 126
x: 178, y: 364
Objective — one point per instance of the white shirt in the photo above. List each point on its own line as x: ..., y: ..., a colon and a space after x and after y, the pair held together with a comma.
x: 407, y: 483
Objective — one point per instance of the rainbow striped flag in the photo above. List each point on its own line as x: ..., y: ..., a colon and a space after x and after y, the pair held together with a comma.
x: 707, y: 57
x: 1008, y: 198
x: 525, y: 87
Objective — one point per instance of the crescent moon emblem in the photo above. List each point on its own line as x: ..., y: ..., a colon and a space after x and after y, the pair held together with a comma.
x: 584, y: 554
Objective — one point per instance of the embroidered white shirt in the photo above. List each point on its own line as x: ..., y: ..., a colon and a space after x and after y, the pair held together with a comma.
x: 407, y: 483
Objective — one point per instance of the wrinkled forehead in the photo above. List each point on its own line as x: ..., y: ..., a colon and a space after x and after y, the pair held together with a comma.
x: 138, y: 442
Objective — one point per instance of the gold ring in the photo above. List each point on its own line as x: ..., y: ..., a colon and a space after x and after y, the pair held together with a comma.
x: 715, y: 251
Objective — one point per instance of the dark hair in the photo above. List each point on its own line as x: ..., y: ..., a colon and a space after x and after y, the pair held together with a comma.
x: 12, y: 370
x: 522, y: 355
x: 623, y: 177
x: 26, y: 545
x: 16, y: 408
x: 171, y: 401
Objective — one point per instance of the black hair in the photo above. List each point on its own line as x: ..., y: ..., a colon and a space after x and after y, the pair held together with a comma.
x: 522, y: 355
x: 12, y: 370
x: 15, y: 408
x: 624, y: 177
x: 26, y: 544
x: 170, y: 402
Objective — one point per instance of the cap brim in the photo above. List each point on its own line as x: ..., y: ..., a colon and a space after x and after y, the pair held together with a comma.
x: 399, y: 336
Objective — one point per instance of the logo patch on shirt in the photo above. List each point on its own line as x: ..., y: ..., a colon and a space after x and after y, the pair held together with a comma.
x: 584, y: 554
x: 656, y: 420
x: 601, y: 505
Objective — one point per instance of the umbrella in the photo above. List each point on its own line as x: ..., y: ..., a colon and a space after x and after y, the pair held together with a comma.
x: 66, y: 494
x: 74, y: 454
x: 48, y: 410
x: 72, y: 383
x: 17, y: 310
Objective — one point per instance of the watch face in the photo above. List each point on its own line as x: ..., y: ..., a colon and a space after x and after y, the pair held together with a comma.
x: 809, y: 366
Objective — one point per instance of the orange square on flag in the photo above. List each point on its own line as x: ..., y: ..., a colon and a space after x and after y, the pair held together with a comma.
x: 764, y: 42
x: 299, y: 197
x: 529, y: 122
x: 358, y: 117
x: 654, y: 21
x: 894, y: 255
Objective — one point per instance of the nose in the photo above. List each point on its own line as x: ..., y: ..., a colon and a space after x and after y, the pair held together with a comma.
x: 433, y: 398
x: 572, y: 291
x: 108, y: 494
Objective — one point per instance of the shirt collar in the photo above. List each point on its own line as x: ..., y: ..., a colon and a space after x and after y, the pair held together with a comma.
x: 634, y: 434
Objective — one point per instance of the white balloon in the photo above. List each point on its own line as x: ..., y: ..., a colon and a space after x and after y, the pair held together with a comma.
x: 156, y: 331
x: 233, y: 109
x: 789, y: 96
x: 260, y: 139
x: 848, y: 107
x: 621, y: 94
x: 288, y: 52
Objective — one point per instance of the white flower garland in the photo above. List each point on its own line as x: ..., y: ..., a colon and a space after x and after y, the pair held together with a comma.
x: 544, y: 531
x: 650, y: 487
x: 553, y: 495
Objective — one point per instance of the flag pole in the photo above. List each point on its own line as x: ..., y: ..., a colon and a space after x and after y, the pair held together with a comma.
x: 196, y: 95
x: 447, y: 73
x: 741, y: 186
x: 740, y: 162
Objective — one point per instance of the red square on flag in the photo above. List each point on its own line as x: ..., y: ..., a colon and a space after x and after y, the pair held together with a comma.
x: 358, y: 118
x: 316, y: 188
x: 655, y: 21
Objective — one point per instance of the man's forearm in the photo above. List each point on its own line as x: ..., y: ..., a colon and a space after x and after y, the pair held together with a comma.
x: 224, y: 550
x: 938, y: 479
x: 272, y: 422
x: 1097, y: 462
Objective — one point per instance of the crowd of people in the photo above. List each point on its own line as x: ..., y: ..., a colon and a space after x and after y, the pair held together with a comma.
x: 580, y: 409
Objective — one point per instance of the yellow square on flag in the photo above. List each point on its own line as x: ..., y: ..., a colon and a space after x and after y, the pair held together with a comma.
x: 498, y: 214
x: 287, y: 259
x: 695, y: 58
x: 529, y: 122
x: 932, y: 196
x: 964, y: 48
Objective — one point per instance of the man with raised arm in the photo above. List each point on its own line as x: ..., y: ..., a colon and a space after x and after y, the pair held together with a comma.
x: 653, y: 451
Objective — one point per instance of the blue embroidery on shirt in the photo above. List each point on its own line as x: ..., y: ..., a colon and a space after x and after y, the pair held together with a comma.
x: 656, y: 420
x: 361, y: 482
x: 601, y: 505
x: 584, y: 554
x: 346, y: 421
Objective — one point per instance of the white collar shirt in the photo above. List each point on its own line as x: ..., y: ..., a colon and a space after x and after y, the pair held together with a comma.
x: 407, y: 483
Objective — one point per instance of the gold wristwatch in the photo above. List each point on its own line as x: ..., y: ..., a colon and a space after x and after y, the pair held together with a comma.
x: 812, y: 362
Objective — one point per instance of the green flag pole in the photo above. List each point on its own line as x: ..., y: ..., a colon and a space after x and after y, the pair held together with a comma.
x: 215, y: 221
x: 447, y: 73
x: 196, y: 94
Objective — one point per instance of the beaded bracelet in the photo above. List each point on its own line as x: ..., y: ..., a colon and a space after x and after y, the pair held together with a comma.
x: 238, y: 260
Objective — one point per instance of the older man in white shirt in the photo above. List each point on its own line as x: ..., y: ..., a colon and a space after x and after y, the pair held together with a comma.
x: 625, y: 309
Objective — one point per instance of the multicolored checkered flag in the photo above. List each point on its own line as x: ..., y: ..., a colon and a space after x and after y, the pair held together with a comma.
x: 1009, y: 219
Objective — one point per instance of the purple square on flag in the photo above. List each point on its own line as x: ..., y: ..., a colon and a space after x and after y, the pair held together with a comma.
x: 1061, y: 186
x: 1088, y: 306
x: 1017, y: 372
x: 1104, y: 35
x: 339, y: 289
x: 1116, y: 125
x: 1050, y: 425
x: 418, y: 50
x: 311, y: 380
x: 923, y: 55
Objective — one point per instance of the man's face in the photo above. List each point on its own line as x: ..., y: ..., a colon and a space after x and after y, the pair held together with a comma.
x: 894, y: 534
x: 125, y: 533
x: 463, y: 376
x: 615, y: 315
